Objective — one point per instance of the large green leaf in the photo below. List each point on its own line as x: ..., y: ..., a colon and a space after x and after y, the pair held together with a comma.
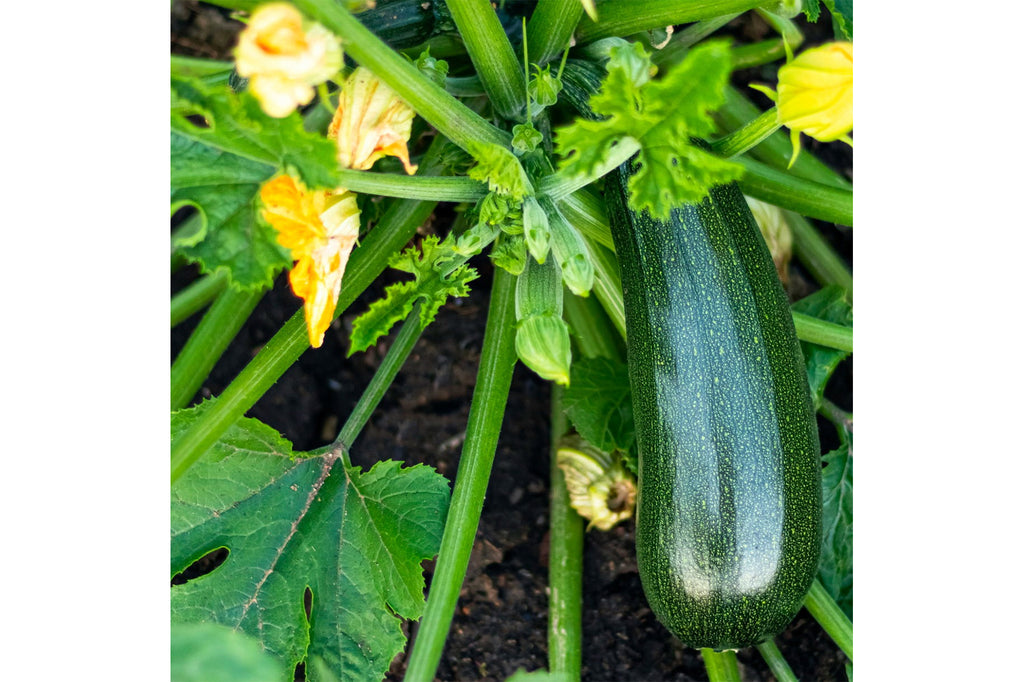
x: 836, y: 568
x: 292, y: 521
x: 598, y: 403
x: 831, y: 304
x: 232, y: 237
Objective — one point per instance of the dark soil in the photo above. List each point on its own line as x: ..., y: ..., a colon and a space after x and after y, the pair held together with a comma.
x: 500, y: 624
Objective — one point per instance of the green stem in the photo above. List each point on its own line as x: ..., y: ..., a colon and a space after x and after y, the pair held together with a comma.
x: 214, y: 71
x: 608, y: 285
x: 491, y: 54
x: 721, y: 665
x: 494, y: 377
x: 587, y: 213
x: 558, y: 185
x: 816, y: 254
x: 831, y: 618
x: 219, y: 325
x: 565, y: 563
x: 197, y: 296
x: 842, y: 419
x: 777, y: 149
x: 682, y: 41
x: 422, y: 187
x: 806, y: 197
x: 592, y: 329
x: 626, y: 17
x: 787, y: 28
x: 829, y: 334
x: 464, y: 86
x: 776, y: 662
x: 449, y: 116
x: 398, y: 353
x: 395, y: 229
x: 750, y: 135
x: 550, y: 28
x: 758, y: 54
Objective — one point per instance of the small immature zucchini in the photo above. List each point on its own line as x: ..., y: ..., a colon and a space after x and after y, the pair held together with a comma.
x: 728, y: 528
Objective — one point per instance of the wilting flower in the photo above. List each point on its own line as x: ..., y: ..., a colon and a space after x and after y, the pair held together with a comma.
x: 371, y: 121
x: 320, y: 228
x: 816, y: 94
x: 284, y: 56
x: 600, y: 489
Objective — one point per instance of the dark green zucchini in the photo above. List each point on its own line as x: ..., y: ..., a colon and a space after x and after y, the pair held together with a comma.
x: 728, y: 527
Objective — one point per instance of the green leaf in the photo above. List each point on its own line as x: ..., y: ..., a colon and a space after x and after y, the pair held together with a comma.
x: 431, y: 288
x: 598, y: 403
x: 224, y: 188
x: 831, y: 304
x: 663, y: 116
x: 209, y: 652
x: 836, y: 568
x: 500, y: 169
x: 237, y: 125
x: 842, y: 15
x: 297, y: 521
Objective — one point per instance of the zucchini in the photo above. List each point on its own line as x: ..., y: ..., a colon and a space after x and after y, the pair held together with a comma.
x: 728, y: 528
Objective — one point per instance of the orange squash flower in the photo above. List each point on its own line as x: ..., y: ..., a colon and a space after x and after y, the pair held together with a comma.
x: 320, y: 228
x: 371, y: 121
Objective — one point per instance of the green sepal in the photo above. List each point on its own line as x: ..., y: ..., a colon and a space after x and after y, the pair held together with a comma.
x: 570, y: 251
x: 510, y: 254
x: 542, y: 343
x: 536, y: 229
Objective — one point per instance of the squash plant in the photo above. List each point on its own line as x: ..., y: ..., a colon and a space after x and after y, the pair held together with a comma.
x: 332, y: 135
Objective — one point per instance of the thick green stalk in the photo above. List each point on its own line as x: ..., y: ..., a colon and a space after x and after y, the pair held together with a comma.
x: 492, y: 55
x: 395, y: 229
x: 550, y: 28
x: 806, y: 197
x: 398, y: 353
x: 565, y: 563
x: 194, y: 67
x: 558, y: 185
x: 608, y: 285
x: 813, y: 330
x: 494, y: 377
x: 197, y: 296
x: 776, y: 662
x: 721, y: 665
x: 422, y: 187
x: 816, y: 254
x: 758, y: 54
x: 452, y: 118
x: 626, y: 17
x: 750, y: 135
x: 831, y: 618
x: 219, y: 325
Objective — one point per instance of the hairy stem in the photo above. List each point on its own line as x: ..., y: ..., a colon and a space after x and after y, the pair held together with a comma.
x: 424, y: 188
x: 721, y: 665
x: 817, y: 255
x: 550, y: 28
x: 776, y: 662
x: 750, y: 135
x: 494, y: 377
x: 829, y: 334
x: 806, y: 197
x: 625, y: 17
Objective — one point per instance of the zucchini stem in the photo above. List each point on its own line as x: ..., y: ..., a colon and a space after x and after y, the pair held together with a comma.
x: 721, y: 665
x: 494, y: 377
x: 831, y: 618
x: 776, y: 662
x: 565, y: 563
x: 197, y: 296
x: 750, y: 135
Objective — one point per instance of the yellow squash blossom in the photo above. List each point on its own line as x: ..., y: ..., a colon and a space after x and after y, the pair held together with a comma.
x: 815, y: 94
x: 284, y: 56
x: 320, y: 228
x: 371, y: 121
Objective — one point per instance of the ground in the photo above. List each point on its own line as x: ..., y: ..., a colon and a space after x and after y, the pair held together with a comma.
x: 501, y: 621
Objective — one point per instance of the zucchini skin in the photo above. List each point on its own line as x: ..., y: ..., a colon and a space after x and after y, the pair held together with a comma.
x: 728, y: 527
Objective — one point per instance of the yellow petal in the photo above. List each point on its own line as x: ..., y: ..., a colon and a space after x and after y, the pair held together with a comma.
x: 816, y: 92
x: 371, y: 121
x: 284, y: 56
x: 320, y: 228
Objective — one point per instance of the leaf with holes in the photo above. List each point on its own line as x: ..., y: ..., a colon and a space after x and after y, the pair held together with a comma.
x: 293, y: 522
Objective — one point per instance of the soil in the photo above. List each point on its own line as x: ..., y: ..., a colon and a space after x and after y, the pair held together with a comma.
x: 501, y: 620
